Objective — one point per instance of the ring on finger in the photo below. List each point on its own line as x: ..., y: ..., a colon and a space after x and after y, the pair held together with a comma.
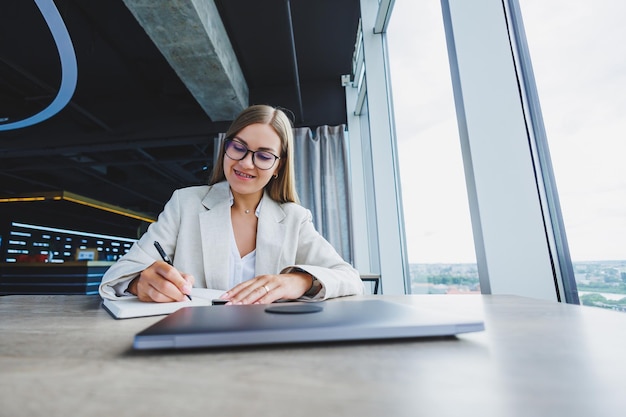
x: 267, y: 290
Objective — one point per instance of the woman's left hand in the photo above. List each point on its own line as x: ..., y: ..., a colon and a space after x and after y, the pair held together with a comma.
x: 265, y: 289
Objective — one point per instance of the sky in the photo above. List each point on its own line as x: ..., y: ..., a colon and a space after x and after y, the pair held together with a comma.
x: 577, y: 50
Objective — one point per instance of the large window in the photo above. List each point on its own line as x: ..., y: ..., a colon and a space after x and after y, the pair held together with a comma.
x: 577, y: 50
x: 437, y: 218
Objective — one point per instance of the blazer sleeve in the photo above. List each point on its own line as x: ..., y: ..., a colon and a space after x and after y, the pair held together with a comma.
x: 143, y: 253
x: 319, y: 258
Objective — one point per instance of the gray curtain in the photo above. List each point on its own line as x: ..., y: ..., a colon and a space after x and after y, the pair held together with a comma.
x: 321, y: 167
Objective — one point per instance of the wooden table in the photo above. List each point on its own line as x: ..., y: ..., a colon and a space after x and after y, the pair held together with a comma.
x: 63, y: 355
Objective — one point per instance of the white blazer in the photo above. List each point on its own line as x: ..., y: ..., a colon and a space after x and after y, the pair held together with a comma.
x: 194, y: 230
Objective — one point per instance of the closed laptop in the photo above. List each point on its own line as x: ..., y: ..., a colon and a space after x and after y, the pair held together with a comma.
x: 282, y: 323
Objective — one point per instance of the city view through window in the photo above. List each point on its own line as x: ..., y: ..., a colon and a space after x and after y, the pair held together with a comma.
x: 583, y: 118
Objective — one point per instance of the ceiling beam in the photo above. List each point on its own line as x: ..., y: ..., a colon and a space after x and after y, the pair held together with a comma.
x: 191, y: 36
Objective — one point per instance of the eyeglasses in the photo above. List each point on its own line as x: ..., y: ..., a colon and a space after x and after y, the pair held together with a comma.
x: 237, y: 151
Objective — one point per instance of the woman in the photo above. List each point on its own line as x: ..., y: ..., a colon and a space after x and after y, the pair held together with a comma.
x: 244, y: 232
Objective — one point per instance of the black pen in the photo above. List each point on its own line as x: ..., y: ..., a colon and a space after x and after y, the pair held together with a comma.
x: 165, y: 258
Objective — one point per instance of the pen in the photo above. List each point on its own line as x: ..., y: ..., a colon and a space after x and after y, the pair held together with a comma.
x: 165, y: 258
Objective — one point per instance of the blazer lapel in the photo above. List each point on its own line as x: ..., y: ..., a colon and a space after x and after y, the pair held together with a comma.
x: 215, y: 232
x: 270, y: 237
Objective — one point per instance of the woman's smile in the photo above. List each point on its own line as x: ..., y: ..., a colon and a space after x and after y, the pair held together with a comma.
x: 243, y: 175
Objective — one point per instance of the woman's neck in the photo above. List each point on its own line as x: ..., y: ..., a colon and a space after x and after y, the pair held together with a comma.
x: 246, y: 203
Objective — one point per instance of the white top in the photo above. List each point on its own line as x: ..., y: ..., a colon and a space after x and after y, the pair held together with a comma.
x: 240, y: 269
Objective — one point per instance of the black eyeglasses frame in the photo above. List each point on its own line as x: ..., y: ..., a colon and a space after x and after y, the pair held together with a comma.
x: 247, y: 152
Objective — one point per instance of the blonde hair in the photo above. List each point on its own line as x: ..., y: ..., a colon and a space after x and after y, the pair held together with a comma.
x: 283, y: 188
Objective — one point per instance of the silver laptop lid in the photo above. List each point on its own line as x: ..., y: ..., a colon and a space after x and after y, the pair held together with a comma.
x: 220, y: 326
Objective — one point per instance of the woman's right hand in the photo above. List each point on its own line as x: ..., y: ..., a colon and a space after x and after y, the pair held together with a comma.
x: 161, y: 283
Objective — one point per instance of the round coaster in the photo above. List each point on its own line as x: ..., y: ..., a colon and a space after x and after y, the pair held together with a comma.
x: 294, y: 309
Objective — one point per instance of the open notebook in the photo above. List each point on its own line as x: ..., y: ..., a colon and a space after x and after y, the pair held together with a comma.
x: 132, y: 307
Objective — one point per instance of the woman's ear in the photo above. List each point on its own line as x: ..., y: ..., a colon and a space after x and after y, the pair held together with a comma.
x: 277, y: 169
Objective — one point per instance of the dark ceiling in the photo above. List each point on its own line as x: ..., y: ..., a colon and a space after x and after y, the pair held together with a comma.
x: 132, y: 132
